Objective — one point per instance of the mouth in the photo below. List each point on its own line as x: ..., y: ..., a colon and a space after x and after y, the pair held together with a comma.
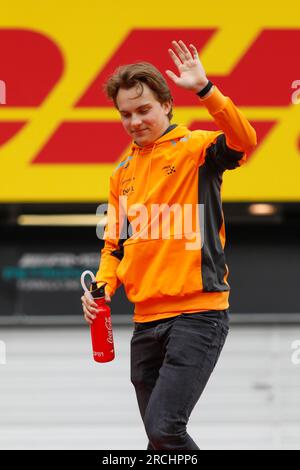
x: 140, y: 132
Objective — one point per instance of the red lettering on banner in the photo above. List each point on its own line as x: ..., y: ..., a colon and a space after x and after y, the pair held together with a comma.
x: 9, y: 130
x: 36, y: 68
x: 243, y: 84
x: 133, y: 50
x: 31, y: 64
x: 264, y: 74
x: 85, y: 143
x: 254, y: 81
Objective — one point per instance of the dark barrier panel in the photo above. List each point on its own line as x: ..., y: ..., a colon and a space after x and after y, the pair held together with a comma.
x: 40, y: 270
x: 264, y: 263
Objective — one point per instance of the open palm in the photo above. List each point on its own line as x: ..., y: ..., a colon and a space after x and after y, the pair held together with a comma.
x: 191, y: 72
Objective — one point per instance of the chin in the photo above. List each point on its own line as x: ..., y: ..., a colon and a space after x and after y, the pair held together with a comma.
x: 143, y: 142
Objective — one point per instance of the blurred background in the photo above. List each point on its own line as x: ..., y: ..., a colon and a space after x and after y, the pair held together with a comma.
x: 60, y: 140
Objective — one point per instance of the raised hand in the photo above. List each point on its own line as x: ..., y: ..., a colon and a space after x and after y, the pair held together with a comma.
x: 192, y: 75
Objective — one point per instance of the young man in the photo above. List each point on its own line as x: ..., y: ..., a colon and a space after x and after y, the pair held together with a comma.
x: 179, y: 286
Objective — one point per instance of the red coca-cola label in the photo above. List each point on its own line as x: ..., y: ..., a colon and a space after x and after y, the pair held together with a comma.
x: 108, y: 326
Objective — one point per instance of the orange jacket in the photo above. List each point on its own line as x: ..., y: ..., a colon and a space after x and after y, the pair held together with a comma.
x: 174, y: 263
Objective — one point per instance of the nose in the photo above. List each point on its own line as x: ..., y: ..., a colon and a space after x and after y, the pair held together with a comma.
x: 136, y: 121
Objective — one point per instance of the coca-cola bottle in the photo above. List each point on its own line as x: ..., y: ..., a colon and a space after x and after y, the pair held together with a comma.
x: 101, y: 328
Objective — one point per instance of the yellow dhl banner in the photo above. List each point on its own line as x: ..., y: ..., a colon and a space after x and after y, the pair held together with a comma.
x: 60, y: 139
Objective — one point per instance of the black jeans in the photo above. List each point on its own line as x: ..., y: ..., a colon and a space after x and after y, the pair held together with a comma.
x: 171, y: 362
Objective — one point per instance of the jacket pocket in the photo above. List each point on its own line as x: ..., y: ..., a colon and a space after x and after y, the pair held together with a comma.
x: 158, y: 268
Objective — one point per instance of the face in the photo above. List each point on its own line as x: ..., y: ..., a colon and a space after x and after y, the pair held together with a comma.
x: 144, y: 118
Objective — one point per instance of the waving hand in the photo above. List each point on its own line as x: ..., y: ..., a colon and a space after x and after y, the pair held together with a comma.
x: 192, y: 75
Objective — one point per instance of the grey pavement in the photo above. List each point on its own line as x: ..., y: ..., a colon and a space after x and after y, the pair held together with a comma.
x: 54, y: 396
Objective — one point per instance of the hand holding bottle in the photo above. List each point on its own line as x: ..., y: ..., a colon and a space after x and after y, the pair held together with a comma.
x: 97, y: 314
x: 90, y: 307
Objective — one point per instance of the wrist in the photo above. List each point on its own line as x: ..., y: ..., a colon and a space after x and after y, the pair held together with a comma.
x: 200, y: 86
x: 206, y: 90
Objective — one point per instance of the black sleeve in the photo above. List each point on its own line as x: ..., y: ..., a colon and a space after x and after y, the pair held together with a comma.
x: 221, y: 157
x: 119, y: 252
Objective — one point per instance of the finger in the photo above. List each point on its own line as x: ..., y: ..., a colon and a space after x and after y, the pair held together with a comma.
x: 90, y: 305
x: 187, y: 53
x: 172, y: 76
x: 88, y: 313
x: 90, y: 322
x: 107, y: 295
x: 88, y: 301
x: 175, y: 59
x: 179, y: 51
x: 194, y: 51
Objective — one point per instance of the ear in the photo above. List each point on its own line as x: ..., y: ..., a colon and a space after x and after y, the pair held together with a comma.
x: 167, y: 107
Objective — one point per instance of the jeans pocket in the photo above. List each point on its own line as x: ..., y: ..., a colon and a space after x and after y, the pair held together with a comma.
x: 222, y: 338
x: 210, y: 318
